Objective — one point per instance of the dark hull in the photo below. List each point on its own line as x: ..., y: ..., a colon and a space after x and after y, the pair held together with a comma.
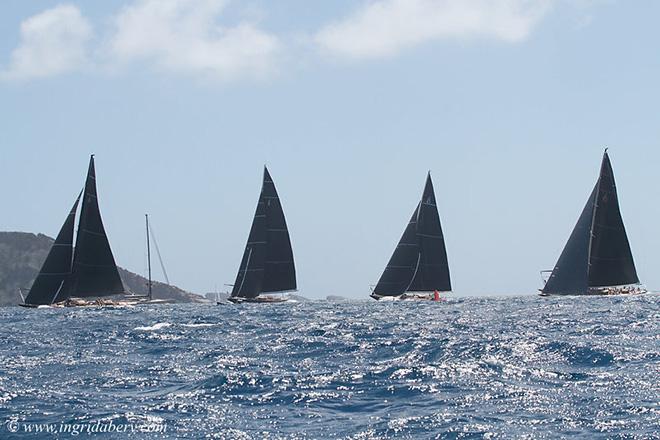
x: 29, y: 306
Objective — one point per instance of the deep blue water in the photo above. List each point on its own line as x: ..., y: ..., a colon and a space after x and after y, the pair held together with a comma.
x: 520, y: 367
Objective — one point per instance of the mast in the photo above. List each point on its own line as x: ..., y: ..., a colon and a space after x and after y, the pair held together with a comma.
x: 146, y: 220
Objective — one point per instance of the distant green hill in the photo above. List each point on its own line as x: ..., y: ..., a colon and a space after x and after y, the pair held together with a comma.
x: 21, y: 256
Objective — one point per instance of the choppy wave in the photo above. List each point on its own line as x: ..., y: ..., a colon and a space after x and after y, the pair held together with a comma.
x: 467, y: 368
x: 157, y: 326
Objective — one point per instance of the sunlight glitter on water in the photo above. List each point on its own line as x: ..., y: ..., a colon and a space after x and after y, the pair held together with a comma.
x: 474, y: 367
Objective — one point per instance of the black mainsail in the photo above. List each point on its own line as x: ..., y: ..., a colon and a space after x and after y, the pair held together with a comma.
x: 57, y: 266
x: 419, y: 262
x: 89, y: 270
x: 94, y: 270
x: 267, y: 265
x: 597, y: 253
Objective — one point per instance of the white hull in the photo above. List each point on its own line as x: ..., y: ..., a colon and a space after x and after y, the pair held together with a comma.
x: 267, y: 299
x: 607, y: 291
x: 411, y: 296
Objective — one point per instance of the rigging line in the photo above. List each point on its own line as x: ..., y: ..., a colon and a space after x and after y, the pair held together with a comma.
x: 419, y: 258
x: 146, y: 218
x: 59, y: 289
x: 247, y: 264
x: 591, y: 227
x: 160, y: 259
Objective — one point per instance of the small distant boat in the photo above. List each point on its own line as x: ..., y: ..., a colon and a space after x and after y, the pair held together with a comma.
x: 267, y: 270
x: 84, y: 276
x: 149, y: 298
x: 597, y: 259
x: 418, y: 268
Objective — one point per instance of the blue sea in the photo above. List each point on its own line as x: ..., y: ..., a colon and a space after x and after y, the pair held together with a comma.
x: 515, y: 367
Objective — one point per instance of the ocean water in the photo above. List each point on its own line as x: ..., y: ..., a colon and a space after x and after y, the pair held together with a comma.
x: 518, y: 367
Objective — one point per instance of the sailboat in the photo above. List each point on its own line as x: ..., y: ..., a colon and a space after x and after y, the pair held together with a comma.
x: 596, y: 259
x: 149, y: 299
x: 267, y: 266
x: 71, y: 276
x: 418, y: 268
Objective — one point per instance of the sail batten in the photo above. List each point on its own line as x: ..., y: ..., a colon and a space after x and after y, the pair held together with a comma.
x: 267, y: 265
x: 597, y: 253
x: 419, y: 262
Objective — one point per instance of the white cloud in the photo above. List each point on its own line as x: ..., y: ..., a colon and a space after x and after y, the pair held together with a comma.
x: 383, y: 28
x: 193, y: 36
x: 184, y: 36
x: 51, y: 42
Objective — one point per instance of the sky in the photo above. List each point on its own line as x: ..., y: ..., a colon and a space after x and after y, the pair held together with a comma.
x: 509, y: 104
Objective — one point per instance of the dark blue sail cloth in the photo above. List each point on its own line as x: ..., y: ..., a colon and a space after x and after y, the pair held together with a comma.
x: 400, y: 270
x: 611, y: 261
x: 597, y: 253
x: 267, y: 264
x: 433, y: 268
x: 47, y: 287
x: 570, y: 275
x: 94, y: 270
x: 419, y: 262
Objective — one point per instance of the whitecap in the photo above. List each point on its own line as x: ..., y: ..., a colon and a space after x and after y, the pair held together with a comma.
x: 200, y: 325
x: 154, y: 327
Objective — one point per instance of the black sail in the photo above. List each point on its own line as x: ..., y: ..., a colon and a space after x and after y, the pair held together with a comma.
x: 400, y: 270
x: 419, y: 262
x: 597, y: 253
x: 433, y: 269
x: 570, y: 275
x: 250, y: 273
x: 57, y: 266
x: 267, y: 264
x: 279, y: 268
x: 611, y: 261
x: 94, y: 270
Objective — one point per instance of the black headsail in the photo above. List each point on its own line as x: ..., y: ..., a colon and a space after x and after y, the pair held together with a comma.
x: 570, y: 275
x: 419, y: 262
x: 57, y: 266
x: 597, y: 253
x: 94, y: 270
x: 267, y: 264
